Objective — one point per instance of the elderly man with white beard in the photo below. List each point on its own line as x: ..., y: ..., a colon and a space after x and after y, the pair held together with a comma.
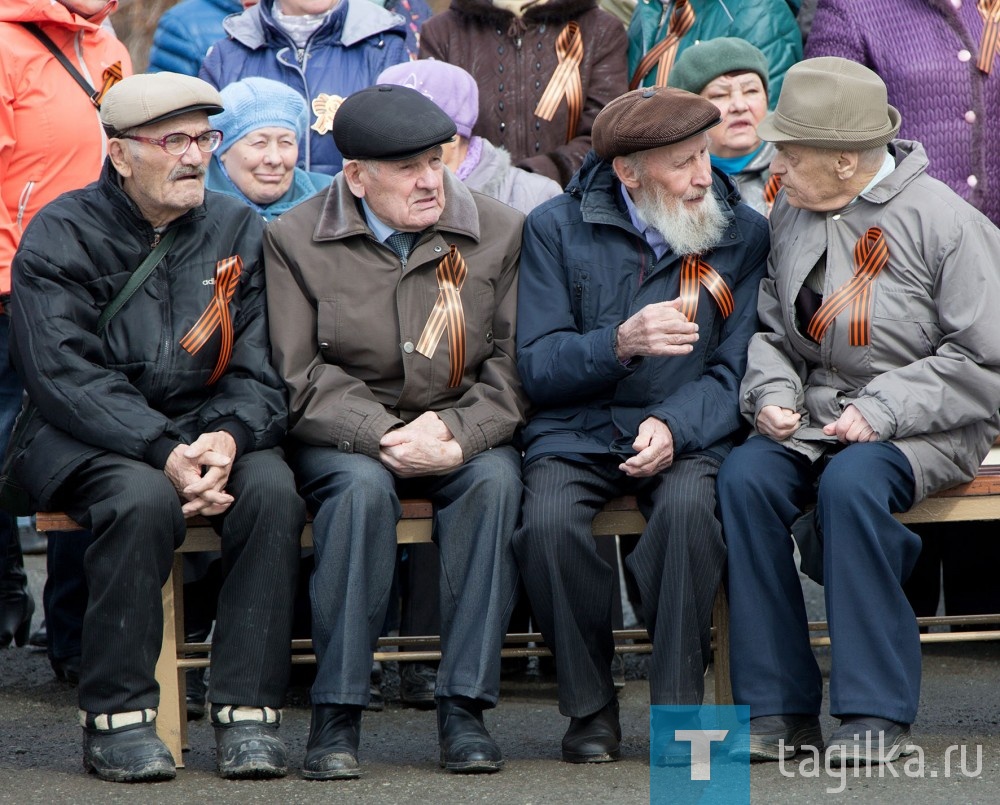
x: 636, y: 301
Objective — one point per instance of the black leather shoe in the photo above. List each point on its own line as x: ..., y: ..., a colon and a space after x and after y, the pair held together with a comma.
x: 777, y: 737
x: 128, y: 755
x: 334, y: 735
x: 67, y: 669
x: 866, y: 740
x: 16, y: 608
x: 195, y: 693
x: 466, y: 746
x: 376, y: 701
x: 249, y: 750
x: 595, y: 738
x: 417, y: 681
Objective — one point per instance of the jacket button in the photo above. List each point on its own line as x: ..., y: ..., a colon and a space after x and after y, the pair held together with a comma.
x: 500, y: 105
x: 503, y: 126
x: 408, y: 347
x: 538, y: 65
x: 970, y: 117
x: 964, y: 55
x: 345, y: 446
x: 500, y: 69
x: 324, y: 344
x: 489, y: 336
x: 538, y: 84
x: 500, y: 88
x: 437, y: 248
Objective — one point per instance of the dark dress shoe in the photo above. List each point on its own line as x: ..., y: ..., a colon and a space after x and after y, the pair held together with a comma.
x: 777, y: 737
x: 249, y: 750
x: 16, y: 609
x: 867, y: 740
x: 66, y: 669
x: 466, y: 746
x: 39, y: 638
x: 196, y: 691
x: 128, y: 755
x: 334, y: 735
x: 417, y: 681
x: 595, y: 738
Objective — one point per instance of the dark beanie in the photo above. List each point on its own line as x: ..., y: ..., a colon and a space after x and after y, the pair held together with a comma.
x: 705, y: 61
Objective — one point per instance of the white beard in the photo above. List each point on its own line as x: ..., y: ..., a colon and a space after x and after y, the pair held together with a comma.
x: 687, y: 231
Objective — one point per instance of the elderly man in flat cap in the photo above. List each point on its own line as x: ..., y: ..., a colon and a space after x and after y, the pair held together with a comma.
x: 140, y: 333
x: 875, y: 382
x: 637, y: 297
x: 392, y: 301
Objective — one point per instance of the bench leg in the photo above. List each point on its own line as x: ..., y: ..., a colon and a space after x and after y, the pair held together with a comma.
x: 168, y: 723
x: 720, y: 657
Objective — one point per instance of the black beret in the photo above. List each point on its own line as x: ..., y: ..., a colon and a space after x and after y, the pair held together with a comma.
x: 389, y: 122
x: 650, y: 118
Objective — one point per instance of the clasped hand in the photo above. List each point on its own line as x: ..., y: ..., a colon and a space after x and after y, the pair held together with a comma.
x: 424, y: 446
x: 200, y: 471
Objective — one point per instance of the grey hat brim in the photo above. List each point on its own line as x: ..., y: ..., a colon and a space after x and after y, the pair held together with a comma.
x: 778, y: 129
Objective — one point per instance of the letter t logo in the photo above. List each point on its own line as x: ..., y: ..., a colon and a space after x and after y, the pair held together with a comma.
x: 701, y: 750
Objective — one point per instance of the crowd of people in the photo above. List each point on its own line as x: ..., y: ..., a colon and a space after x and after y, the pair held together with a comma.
x: 517, y: 258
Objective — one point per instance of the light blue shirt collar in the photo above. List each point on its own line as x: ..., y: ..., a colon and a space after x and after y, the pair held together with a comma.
x: 649, y: 233
x: 379, y: 229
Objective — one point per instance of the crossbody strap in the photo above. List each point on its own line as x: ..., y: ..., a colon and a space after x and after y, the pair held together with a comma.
x: 138, y: 277
x: 43, y: 37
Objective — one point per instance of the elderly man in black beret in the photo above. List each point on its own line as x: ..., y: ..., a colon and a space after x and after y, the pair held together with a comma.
x: 392, y: 301
x: 637, y: 297
x: 140, y: 333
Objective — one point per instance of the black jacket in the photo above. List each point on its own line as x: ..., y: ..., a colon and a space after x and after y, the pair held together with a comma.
x: 133, y: 390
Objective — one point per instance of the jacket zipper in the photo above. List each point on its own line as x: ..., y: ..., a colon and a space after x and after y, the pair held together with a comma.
x: 22, y: 204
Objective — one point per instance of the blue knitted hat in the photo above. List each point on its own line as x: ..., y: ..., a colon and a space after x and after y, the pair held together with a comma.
x: 255, y: 103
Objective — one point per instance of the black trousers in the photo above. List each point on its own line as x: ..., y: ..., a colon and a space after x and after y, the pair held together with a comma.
x: 677, y: 564
x: 135, y: 516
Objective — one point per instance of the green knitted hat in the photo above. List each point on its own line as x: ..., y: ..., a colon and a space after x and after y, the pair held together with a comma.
x: 705, y: 61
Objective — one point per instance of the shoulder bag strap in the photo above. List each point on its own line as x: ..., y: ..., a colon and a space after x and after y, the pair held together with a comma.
x: 138, y: 277
x: 43, y: 37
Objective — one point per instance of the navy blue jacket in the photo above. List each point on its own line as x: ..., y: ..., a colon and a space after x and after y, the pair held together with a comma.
x: 584, y: 270
x: 345, y: 54
x: 186, y: 31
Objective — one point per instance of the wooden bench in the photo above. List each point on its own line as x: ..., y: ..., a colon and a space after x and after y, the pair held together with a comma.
x: 620, y: 517
x: 976, y: 500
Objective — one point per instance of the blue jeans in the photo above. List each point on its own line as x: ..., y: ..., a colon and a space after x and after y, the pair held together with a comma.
x: 355, y: 500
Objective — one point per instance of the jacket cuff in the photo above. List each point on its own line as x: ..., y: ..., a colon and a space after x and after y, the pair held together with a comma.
x: 877, y: 415
x: 241, y: 434
x: 159, y: 451
x: 356, y: 431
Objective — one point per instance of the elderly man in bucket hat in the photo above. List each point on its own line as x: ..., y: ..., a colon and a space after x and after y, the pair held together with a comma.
x: 875, y: 382
x: 636, y: 301
x: 155, y: 405
x: 392, y: 301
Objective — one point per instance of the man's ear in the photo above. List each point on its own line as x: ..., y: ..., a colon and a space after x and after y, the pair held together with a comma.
x: 846, y: 165
x: 116, y: 150
x: 624, y: 169
x: 352, y: 174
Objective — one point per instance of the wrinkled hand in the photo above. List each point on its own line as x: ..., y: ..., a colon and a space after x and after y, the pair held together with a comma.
x: 200, y: 471
x: 851, y: 426
x: 658, y: 329
x: 425, y: 446
x: 655, y: 446
x: 777, y: 422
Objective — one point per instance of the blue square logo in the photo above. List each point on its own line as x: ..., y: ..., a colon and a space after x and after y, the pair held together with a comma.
x: 689, y: 758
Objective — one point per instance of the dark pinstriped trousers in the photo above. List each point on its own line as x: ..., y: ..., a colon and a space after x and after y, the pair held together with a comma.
x: 135, y: 515
x: 677, y: 564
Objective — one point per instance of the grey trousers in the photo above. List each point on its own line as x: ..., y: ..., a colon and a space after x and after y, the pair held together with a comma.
x: 677, y: 563
x: 135, y: 516
x: 355, y: 500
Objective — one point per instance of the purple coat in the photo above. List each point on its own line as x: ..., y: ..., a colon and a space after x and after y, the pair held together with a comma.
x: 926, y: 52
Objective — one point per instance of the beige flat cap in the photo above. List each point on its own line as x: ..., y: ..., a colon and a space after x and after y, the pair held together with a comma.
x: 147, y: 98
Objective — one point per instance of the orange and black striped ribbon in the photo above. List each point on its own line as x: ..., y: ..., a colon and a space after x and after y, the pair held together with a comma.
x: 990, y: 11
x: 663, y: 53
x: 216, y: 316
x: 448, y: 314
x: 871, y: 255
x: 771, y: 188
x: 695, y: 272
x: 112, y: 75
x: 565, y: 81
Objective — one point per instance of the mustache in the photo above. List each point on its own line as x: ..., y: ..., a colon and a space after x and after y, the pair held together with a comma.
x: 187, y: 172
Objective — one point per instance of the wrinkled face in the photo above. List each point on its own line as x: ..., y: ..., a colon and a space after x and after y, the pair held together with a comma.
x: 162, y: 185
x: 85, y: 8
x: 407, y: 195
x: 741, y: 99
x: 262, y: 163
x: 682, y: 170
x: 299, y: 8
x: 809, y: 177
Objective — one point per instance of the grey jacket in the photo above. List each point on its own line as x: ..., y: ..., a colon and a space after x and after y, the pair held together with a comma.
x: 495, y: 177
x: 929, y: 381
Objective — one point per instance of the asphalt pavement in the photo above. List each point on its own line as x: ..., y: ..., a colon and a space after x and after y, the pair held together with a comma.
x: 960, y: 706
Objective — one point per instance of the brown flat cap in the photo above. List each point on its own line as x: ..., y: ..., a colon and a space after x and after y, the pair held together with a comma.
x: 830, y: 102
x: 650, y: 118
x: 147, y: 98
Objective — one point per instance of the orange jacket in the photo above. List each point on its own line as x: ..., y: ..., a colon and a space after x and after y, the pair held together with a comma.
x: 51, y: 139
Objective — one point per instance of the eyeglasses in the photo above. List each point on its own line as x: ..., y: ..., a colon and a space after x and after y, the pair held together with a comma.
x: 178, y: 143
